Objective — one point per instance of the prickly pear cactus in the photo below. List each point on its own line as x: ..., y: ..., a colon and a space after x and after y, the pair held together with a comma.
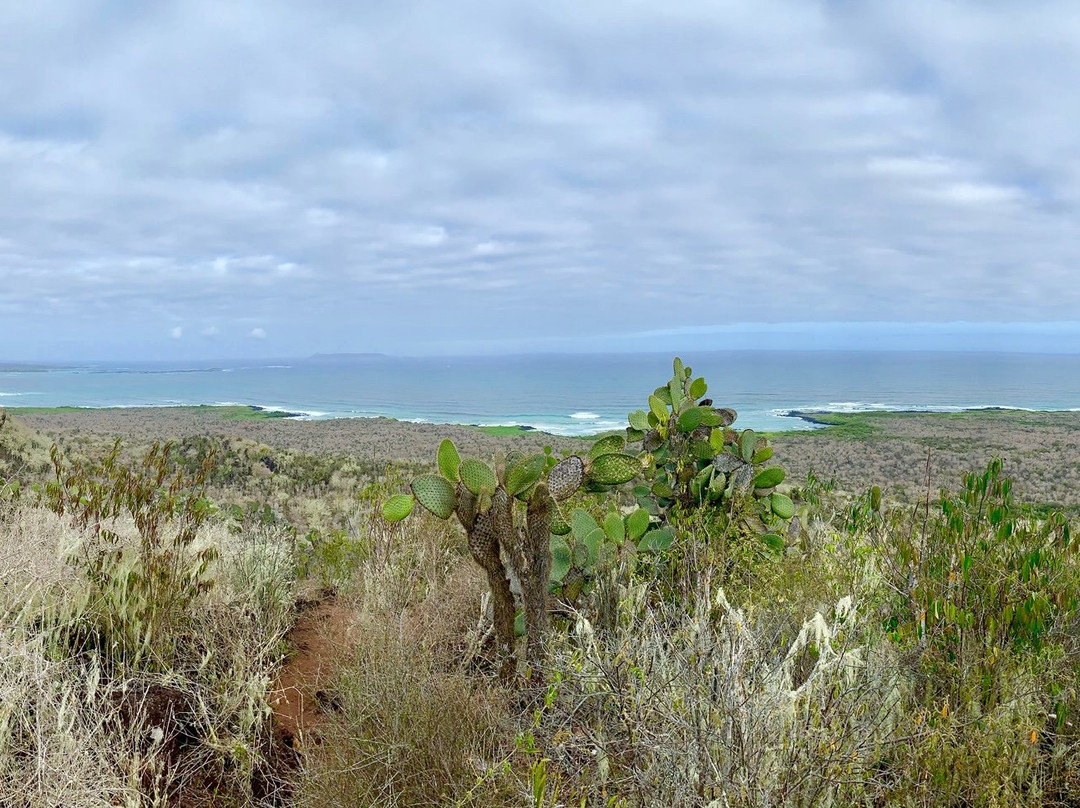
x: 511, y: 516
x: 694, y: 459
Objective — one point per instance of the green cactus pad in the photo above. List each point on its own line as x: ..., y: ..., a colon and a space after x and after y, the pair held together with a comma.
x: 582, y: 523
x: 449, y: 460
x: 657, y: 540
x: 762, y: 455
x: 703, y: 450
x: 698, y: 388
x: 774, y: 542
x: 580, y: 555
x: 659, y: 409
x: 609, y: 444
x: 397, y: 508
x: 436, y: 494
x: 689, y: 420
x: 782, y: 506
x: 560, y: 559
x: 522, y: 475
x: 477, y: 476
x: 746, y: 445
x: 559, y: 525
x: 710, y: 418
x: 614, y: 469
x: 636, y: 524
x: 566, y: 477
x: 593, y: 542
x: 767, y: 478
x: 614, y: 527
x: 639, y: 420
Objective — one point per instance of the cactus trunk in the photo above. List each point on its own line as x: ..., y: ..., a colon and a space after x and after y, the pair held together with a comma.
x: 535, y: 585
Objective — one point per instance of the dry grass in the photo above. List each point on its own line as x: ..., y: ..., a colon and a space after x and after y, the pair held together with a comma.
x: 77, y: 729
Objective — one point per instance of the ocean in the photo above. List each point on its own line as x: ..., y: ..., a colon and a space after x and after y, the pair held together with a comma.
x: 566, y: 394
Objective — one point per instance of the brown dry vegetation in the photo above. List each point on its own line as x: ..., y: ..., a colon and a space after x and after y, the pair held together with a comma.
x: 341, y: 661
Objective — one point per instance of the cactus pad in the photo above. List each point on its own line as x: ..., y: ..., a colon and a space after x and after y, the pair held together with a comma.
x: 614, y: 469
x: 436, y: 494
x: 767, y: 478
x: 566, y: 477
x: 782, y: 506
x: 609, y: 444
x: 448, y: 460
x: 523, y: 474
x: 397, y: 508
x: 560, y: 559
x: 477, y: 476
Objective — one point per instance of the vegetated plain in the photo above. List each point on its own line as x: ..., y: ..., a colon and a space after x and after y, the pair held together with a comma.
x: 911, y: 647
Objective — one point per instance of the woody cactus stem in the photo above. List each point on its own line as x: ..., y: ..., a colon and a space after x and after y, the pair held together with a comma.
x: 484, y: 545
x: 535, y: 584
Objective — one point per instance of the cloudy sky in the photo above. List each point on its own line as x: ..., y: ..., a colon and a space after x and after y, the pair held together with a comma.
x: 207, y: 178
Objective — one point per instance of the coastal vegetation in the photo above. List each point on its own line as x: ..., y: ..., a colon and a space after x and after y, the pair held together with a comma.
x: 218, y: 612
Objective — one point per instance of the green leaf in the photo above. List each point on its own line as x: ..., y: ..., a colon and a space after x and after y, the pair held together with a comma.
x: 767, y: 478
x: 639, y: 420
x: 560, y: 558
x: 698, y: 388
x: 716, y: 440
x: 397, y: 508
x: 449, y: 460
x: 664, y: 394
x: 636, y: 524
x: 614, y: 528
x: 519, y: 624
x: 435, y: 493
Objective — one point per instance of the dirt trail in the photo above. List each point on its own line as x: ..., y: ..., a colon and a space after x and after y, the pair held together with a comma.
x: 300, y: 697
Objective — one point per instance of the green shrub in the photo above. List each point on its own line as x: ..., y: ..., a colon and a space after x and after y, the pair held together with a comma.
x: 137, y: 598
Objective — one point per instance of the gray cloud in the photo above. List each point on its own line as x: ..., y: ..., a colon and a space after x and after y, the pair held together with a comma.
x: 424, y: 177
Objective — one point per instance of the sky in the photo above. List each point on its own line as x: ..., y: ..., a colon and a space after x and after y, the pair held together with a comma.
x: 202, y: 178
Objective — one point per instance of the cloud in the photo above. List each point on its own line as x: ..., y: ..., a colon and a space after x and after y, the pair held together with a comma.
x: 177, y: 332
x: 210, y: 331
x: 257, y: 333
x: 408, y: 177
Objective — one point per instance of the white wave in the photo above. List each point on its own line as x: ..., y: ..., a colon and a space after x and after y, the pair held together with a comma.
x: 584, y: 415
x: 7, y: 395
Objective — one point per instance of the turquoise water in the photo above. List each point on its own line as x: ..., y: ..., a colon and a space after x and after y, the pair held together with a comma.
x: 576, y: 394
